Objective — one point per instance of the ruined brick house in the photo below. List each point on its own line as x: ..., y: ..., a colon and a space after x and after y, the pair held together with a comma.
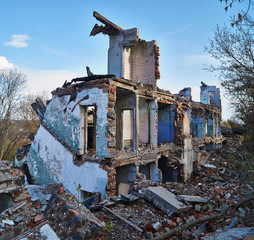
x: 99, y: 131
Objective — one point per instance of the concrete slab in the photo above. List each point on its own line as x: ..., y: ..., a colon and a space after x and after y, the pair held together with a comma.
x: 165, y: 200
x: 35, y: 192
x: 196, y: 199
x: 234, y: 233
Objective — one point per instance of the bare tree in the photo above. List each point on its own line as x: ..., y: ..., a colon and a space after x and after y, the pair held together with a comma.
x: 244, y: 15
x: 233, y: 48
x: 29, y: 118
x: 12, y: 85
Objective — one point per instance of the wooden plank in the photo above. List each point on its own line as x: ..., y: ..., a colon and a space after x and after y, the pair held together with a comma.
x: 123, y: 219
x: 106, y: 21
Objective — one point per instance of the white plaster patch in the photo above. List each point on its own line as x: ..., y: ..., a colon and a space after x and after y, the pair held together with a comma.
x: 48, y: 232
x: 61, y: 168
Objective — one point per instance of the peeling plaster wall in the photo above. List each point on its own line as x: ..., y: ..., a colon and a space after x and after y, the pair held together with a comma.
x: 63, y: 117
x: 49, y: 162
x: 64, y: 124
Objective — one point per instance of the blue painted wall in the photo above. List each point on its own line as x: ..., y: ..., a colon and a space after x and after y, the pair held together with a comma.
x: 155, y: 173
x: 64, y: 124
x: 210, y: 93
x: 36, y: 166
x: 63, y: 117
x: 166, y: 117
x: 215, y: 100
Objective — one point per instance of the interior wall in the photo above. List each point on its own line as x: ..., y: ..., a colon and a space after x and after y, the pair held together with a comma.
x: 127, y: 123
x: 145, y: 169
x: 143, y: 62
x: 144, y: 116
x: 169, y: 173
x: 125, y: 175
x: 125, y: 100
x: 197, y: 124
x: 153, y: 124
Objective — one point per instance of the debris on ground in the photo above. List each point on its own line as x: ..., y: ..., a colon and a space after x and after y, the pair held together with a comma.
x: 216, y: 203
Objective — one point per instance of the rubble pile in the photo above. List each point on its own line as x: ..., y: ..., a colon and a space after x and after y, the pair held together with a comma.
x: 70, y: 219
x: 211, y: 203
x: 17, y: 213
x: 38, y: 212
x: 213, y: 187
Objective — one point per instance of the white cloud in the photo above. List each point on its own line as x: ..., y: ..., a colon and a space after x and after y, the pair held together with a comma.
x: 4, y: 64
x: 18, y: 41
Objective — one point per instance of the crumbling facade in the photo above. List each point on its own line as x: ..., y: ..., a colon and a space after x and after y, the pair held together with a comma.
x: 98, y: 132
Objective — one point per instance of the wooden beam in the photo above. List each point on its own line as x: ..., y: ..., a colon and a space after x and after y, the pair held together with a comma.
x: 123, y: 219
x: 106, y: 21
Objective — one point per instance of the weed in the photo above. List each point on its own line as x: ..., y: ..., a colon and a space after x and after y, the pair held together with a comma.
x: 110, y: 226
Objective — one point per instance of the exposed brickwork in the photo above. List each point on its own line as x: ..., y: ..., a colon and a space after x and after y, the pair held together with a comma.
x: 157, y: 54
x: 111, y: 117
x: 178, y: 124
x: 110, y: 189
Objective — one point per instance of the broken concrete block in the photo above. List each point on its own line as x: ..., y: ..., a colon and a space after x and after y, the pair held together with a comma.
x: 196, y: 199
x: 48, y: 232
x: 208, y: 165
x: 157, y: 226
x: 228, y: 195
x: 18, y: 219
x: 165, y: 200
x: 38, y: 218
x: 9, y: 222
x: 197, y: 208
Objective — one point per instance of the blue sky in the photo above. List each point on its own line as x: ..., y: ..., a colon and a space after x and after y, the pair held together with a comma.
x: 49, y: 40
